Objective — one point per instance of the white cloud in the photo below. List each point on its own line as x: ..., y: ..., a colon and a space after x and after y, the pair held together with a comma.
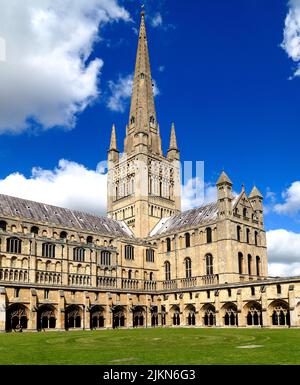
x: 47, y: 76
x: 120, y: 92
x: 291, y: 196
x: 69, y: 185
x: 156, y: 20
x: 291, y: 39
x: 284, y: 270
x: 283, y: 252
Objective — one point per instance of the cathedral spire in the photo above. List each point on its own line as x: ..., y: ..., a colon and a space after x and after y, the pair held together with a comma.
x: 142, y: 117
x: 142, y: 109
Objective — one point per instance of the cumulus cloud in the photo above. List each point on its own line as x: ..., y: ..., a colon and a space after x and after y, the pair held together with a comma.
x: 291, y: 206
x: 120, y: 92
x: 283, y: 252
x: 69, y: 185
x: 48, y: 77
x: 291, y: 38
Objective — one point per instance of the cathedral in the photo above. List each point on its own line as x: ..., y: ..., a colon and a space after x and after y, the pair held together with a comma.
x: 147, y: 264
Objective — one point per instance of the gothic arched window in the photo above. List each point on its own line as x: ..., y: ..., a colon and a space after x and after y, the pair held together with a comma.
x: 240, y: 260
x: 208, y: 235
x: 248, y: 235
x: 48, y: 250
x: 168, y: 240
x: 249, y: 264
x: 258, y: 265
x: 188, y: 267
x: 167, y: 271
x: 78, y: 254
x: 238, y: 233
x: 209, y: 264
x: 150, y: 255
x: 187, y: 239
x: 13, y: 245
x: 129, y: 252
x: 105, y: 258
x: 256, y: 238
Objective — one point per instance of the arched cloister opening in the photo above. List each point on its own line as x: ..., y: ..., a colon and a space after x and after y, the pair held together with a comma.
x: 209, y: 315
x: 154, y: 316
x: 46, y: 317
x: 16, y: 317
x: 73, y: 317
x: 118, y: 316
x: 190, y: 311
x: 175, y: 314
x: 253, y: 313
x: 138, y: 316
x: 230, y: 314
x: 96, y: 317
x: 279, y: 312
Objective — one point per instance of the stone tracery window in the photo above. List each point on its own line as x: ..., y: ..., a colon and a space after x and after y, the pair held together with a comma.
x: 13, y: 245
x: 208, y: 235
x: 129, y: 252
x: 150, y: 255
x: 187, y: 237
x: 78, y: 254
x: 281, y: 315
x: 105, y: 258
x: 167, y: 271
x: 188, y: 267
x: 209, y: 264
x: 254, y: 316
x: 48, y: 250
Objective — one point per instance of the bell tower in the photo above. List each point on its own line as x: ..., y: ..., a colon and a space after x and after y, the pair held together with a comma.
x: 143, y: 184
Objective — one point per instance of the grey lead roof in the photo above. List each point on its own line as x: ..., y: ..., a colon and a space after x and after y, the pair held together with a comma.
x: 52, y: 215
x: 195, y: 217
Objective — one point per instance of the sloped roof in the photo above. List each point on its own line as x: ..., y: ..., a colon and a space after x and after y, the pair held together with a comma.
x: 195, y: 217
x: 52, y: 215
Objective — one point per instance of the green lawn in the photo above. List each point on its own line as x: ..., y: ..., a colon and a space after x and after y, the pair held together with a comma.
x: 153, y: 346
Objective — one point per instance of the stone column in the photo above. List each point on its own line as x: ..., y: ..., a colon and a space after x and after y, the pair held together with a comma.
x: 219, y: 321
x: 2, y: 309
x: 108, y: 315
x: 264, y: 308
x: 240, y: 315
x: 60, y: 322
x: 32, y: 319
x: 86, y: 311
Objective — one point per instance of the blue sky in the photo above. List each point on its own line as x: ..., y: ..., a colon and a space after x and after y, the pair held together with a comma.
x: 223, y: 78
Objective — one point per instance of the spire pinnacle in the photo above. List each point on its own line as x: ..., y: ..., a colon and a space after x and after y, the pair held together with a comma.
x: 173, y: 141
x: 255, y: 193
x: 113, y: 139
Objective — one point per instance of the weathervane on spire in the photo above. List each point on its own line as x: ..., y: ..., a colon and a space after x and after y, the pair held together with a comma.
x: 143, y: 9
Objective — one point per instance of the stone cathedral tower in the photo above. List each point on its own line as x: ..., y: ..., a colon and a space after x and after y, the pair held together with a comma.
x: 143, y: 184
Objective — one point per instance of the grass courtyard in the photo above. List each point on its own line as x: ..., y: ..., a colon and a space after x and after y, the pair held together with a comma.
x: 153, y: 346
